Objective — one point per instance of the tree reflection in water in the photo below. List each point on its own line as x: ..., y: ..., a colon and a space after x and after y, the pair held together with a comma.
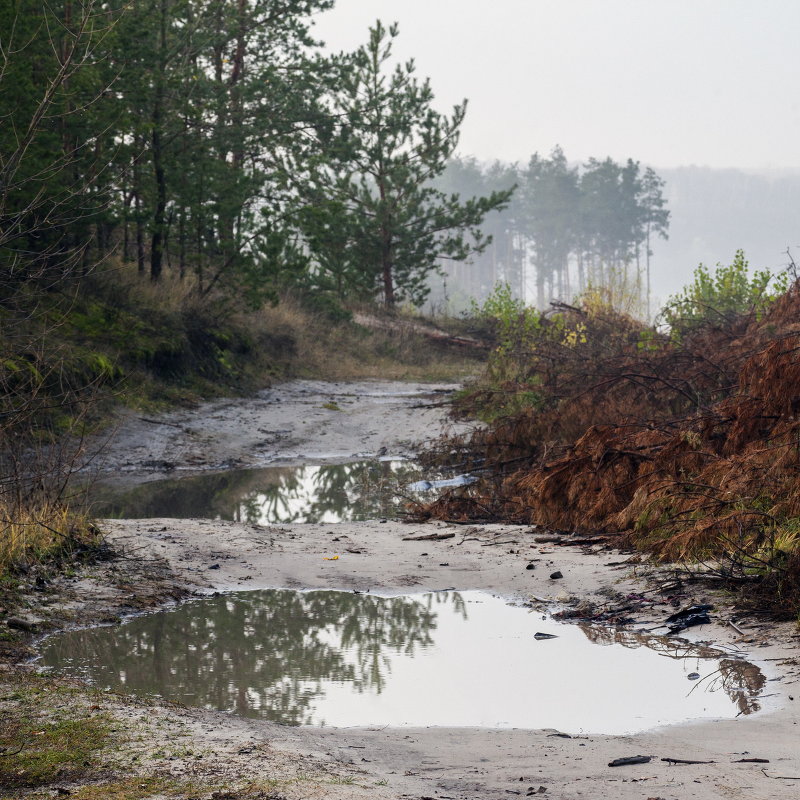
x: 329, y: 493
x: 261, y: 654
x: 739, y: 679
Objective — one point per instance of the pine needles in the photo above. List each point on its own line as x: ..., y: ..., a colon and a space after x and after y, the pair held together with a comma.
x: 690, y: 447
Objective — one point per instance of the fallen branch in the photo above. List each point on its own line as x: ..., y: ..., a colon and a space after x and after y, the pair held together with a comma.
x: 685, y: 761
x: 629, y: 760
x: 431, y: 537
x: 581, y: 540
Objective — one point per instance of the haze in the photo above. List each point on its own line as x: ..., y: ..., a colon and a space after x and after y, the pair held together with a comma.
x: 707, y: 82
x: 704, y: 91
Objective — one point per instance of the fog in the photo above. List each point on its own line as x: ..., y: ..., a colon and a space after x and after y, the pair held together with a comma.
x: 705, y: 91
x: 717, y: 211
x: 671, y: 83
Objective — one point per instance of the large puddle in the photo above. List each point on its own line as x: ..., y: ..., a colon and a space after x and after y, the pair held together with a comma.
x: 447, y: 659
x: 329, y: 493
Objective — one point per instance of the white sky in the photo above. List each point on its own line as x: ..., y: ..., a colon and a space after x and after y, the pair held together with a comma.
x: 666, y: 82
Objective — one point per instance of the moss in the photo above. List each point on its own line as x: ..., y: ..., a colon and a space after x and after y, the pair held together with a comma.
x: 41, y: 751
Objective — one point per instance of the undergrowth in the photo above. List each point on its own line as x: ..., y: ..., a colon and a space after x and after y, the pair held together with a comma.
x: 43, y: 533
x: 684, y: 441
x: 146, y: 345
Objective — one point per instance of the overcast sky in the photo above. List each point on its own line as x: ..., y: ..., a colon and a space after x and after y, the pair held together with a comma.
x: 666, y: 82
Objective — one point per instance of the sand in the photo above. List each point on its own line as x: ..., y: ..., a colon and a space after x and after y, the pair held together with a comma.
x: 290, y: 425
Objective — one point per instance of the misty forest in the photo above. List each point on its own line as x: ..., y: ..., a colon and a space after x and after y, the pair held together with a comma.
x: 255, y: 292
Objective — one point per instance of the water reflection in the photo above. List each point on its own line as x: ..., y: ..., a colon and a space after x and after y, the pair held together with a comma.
x: 739, y: 679
x: 260, y: 654
x: 446, y: 658
x: 330, y: 493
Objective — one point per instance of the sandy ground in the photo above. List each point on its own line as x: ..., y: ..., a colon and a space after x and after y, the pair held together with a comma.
x: 289, y: 425
x: 300, y: 422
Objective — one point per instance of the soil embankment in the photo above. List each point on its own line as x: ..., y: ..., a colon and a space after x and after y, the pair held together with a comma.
x: 308, y: 422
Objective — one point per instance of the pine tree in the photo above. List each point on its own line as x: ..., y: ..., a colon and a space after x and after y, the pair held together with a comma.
x: 376, y: 172
x: 550, y: 202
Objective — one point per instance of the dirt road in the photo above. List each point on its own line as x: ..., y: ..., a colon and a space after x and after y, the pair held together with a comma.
x: 308, y: 422
x: 300, y: 422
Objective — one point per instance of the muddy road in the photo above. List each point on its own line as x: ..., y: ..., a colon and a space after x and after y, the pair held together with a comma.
x: 300, y: 422
x: 316, y: 423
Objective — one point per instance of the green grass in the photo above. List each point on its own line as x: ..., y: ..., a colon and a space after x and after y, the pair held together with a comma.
x: 41, y: 749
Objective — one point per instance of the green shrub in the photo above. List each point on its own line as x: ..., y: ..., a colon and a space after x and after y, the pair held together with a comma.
x: 717, y: 298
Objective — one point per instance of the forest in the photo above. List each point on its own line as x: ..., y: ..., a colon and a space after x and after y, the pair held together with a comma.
x: 217, y: 142
x: 264, y: 322
x: 214, y: 141
x: 566, y: 229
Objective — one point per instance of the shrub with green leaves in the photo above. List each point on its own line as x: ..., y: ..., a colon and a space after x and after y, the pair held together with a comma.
x: 514, y: 324
x: 716, y: 298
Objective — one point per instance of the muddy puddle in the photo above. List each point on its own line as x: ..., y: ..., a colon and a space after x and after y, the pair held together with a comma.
x: 330, y: 493
x: 456, y: 659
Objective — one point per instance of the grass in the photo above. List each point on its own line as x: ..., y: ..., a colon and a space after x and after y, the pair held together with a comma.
x: 345, y: 350
x: 59, y: 735
x: 42, y: 534
x: 47, y: 739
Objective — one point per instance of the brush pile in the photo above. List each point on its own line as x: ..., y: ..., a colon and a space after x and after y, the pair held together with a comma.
x: 687, y: 446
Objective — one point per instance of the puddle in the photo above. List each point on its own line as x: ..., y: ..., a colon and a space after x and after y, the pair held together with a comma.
x: 458, y: 659
x: 331, y: 493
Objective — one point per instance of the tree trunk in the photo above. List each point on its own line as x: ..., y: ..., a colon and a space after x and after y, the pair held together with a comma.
x: 182, y: 244
x: 388, y: 278
x: 157, y: 241
x: 647, y: 266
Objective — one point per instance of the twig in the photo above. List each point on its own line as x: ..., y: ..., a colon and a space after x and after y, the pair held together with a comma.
x: 161, y: 422
x: 736, y: 628
x: 781, y: 777
x: 685, y: 761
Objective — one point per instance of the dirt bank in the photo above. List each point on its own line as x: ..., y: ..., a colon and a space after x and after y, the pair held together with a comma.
x: 164, y: 557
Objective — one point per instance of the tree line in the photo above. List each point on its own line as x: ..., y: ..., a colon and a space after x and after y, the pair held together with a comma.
x: 217, y: 140
x: 566, y: 228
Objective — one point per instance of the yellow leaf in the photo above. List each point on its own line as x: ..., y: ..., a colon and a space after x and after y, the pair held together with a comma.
x: 335, y: 558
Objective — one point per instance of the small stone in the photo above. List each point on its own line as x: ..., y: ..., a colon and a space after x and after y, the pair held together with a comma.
x: 214, y: 566
x: 556, y: 575
x: 531, y: 566
x: 693, y: 676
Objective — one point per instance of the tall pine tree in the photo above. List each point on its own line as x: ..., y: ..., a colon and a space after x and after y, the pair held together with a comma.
x: 370, y: 198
